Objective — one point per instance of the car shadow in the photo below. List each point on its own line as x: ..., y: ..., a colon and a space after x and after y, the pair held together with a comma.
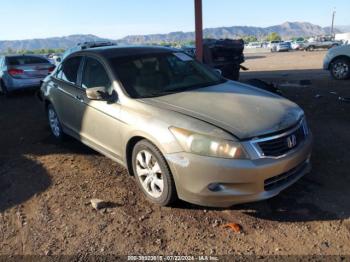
x: 20, y: 180
x: 249, y: 57
x: 23, y: 124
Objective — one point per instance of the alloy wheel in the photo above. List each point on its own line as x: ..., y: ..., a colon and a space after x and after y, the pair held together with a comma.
x: 340, y: 70
x: 149, y: 173
x: 54, y: 122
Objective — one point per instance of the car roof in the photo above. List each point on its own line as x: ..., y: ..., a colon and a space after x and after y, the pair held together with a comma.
x: 124, y: 51
x: 25, y: 55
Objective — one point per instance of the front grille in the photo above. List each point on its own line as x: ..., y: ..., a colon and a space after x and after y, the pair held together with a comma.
x: 282, y: 145
x: 285, y: 178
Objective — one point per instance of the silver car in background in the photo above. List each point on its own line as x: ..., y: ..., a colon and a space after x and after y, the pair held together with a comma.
x: 281, y: 47
x: 337, y: 61
x: 22, y: 72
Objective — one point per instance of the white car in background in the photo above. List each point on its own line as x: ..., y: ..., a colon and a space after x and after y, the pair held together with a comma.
x: 254, y: 45
x: 273, y: 44
x: 337, y: 61
x: 56, y: 59
x: 281, y: 47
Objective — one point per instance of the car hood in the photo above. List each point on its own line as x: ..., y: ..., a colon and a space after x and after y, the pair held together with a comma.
x: 242, y: 110
x: 344, y: 49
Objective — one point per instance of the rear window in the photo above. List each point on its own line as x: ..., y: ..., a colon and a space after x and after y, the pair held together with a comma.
x: 25, y: 60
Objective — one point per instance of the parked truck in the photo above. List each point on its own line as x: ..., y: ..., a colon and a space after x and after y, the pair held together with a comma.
x: 322, y: 42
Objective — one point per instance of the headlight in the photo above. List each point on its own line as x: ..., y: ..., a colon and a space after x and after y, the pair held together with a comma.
x: 208, y: 146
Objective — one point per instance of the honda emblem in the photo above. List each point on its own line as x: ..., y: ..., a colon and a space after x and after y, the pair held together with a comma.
x: 291, y: 141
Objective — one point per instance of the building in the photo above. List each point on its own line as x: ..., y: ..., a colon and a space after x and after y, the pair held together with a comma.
x: 345, y: 37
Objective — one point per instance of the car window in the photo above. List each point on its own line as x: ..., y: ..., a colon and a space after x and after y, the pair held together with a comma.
x: 95, y: 74
x: 25, y: 60
x: 68, y: 71
x: 152, y: 75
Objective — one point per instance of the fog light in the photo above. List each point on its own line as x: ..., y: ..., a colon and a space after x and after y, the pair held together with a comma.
x: 215, y: 187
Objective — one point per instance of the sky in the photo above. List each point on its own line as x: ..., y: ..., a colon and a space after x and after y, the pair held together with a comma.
x: 26, y: 19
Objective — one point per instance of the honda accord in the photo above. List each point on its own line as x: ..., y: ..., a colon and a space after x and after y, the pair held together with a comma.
x: 179, y: 127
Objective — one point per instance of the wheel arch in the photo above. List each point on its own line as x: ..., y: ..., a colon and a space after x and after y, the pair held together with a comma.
x: 128, y: 152
x: 339, y: 57
x: 132, y: 138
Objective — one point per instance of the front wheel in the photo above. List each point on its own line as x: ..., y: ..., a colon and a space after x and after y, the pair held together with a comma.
x: 152, y: 174
x: 54, y: 123
x: 340, y: 69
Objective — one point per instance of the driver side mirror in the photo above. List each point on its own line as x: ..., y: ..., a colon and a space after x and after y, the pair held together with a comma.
x: 97, y: 93
x: 101, y: 93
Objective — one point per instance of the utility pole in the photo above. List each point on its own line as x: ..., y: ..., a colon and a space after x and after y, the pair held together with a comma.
x: 199, y: 28
x: 332, y: 28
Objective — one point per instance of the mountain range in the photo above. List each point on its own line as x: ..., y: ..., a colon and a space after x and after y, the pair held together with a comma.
x: 286, y: 30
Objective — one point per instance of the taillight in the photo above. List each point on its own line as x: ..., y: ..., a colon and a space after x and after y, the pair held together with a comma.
x: 15, y: 72
x: 51, y: 69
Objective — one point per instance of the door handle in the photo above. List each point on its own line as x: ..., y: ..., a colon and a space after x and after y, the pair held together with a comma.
x: 80, y: 98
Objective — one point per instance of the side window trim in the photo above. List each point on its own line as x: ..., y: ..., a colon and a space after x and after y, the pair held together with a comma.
x: 78, y: 82
x: 84, y: 68
x: 80, y: 73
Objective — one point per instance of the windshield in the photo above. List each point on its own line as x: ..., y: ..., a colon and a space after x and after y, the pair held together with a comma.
x: 155, y: 75
x: 25, y: 60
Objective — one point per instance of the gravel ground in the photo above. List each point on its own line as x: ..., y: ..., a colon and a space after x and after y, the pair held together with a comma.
x: 45, y: 187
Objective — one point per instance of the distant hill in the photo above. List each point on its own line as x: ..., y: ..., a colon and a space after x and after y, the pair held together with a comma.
x: 286, y: 30
x: 53, y: 42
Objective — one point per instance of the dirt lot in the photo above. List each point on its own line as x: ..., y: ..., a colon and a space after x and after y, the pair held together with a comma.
x: 45, y: 187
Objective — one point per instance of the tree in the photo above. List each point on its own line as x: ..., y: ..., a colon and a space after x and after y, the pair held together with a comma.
x: 273, y: 37
x: 249, y: 39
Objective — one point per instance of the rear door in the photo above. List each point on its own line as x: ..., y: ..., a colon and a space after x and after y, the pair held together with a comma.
x: 28, y: 67
x: 67, y: 94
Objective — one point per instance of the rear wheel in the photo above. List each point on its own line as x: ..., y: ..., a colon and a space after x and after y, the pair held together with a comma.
x: 340, y: 69
x: 54, y: 123
x: 310, y: 48
x: 152, y: 174
x: 3, y: 88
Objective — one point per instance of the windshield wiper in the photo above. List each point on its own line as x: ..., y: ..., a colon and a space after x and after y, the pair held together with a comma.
x: 197, y: 86
x: 183, y: 89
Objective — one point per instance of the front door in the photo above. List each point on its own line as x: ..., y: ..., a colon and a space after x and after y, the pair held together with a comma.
x: 101, y: 120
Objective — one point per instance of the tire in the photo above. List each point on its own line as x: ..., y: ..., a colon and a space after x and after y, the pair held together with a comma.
x: 54, y: 124
x: 310, y: 48
x: 4, y: 89
x: 340, y: 69
x: 153, y: 174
